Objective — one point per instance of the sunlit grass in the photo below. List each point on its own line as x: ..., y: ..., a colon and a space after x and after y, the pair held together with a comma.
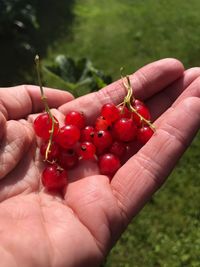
x: 115, y: 33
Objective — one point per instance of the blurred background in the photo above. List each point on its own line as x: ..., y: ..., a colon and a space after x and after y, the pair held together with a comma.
x: 83, y: 44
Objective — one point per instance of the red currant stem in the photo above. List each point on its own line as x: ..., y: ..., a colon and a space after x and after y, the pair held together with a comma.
x: 122, y: 103
x: 59, y: 168
x: 127, y: 101
x: 123, y: 108
x: 48, y: 161
x: 127, y: 85
x: 142, y: 118
x: 47, y: 109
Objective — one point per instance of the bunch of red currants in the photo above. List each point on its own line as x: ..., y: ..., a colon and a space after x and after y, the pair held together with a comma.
x: 106, y: 141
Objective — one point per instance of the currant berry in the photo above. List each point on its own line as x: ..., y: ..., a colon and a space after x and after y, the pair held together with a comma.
x: 86, y: 150
x: 100, y: 151
x: 102, y: 139
x: 124, y: 112
x: 67, y: 159
x: 138, y: 102
x: 102, y: 124
x: 144, y: 134
x: 109, y: 164
x: 87, y: 134
x: 75, y: 118
x: 68, y: 136
x: 53, y: 178
x: 110, y: 112
x: 43, y: 126
x: 118, y: 149
x: 124, y: 130
x: 53, y: 152
x: 143, y: 111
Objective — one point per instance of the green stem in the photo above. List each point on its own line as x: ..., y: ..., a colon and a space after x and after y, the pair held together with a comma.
x: 47, y: 109
x: 141, y: 117
x: 129, y: 98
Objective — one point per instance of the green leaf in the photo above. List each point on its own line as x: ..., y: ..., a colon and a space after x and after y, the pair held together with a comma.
x: 57, y: 82
x: 66, y: 67
x: 80, y: 77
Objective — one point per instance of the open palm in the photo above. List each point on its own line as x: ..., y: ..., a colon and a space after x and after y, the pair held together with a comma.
x: 40, y: 229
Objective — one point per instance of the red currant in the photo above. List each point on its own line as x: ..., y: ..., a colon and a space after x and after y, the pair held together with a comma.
x: 68, y: 136
x: 87, y: 134
x: 53, y: 152
x: 125, y: 130
x: 144, y: 134
x: 75, y: 118
x: 86, y: 150
x: 68, y: 159
x: 102, y: 139
x: 143, y: 111
x: 53, y: 178
x: 138, y: 102
x: 110, y: 112
x: 118, y: 149
x: 102, y: 124
x: 43, y: 125
x: 124, y: 112
x: 109, y: 164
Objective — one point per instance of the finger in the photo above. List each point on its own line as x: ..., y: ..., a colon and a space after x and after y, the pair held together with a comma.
x: 17, y: 102
x: 84, y: 169
x: 146, y: 82
x: 17, y: 139
x: 59, y: 116
x: 186, y: 86
x: 164, y: 99
x: 2, y: 125
x: 145, y: 172
x: 193, y: 90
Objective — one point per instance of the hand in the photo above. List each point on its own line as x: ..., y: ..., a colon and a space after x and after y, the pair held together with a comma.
x: 39, y: 229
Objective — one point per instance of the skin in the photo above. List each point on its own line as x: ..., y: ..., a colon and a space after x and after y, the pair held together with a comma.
x: 41, y: 229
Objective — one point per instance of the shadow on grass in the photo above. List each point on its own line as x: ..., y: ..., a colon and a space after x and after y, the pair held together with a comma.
x: 17, y: 60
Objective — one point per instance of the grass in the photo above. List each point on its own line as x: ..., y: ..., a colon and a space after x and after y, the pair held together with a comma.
x: 167, y: 231
x: 131, y: 33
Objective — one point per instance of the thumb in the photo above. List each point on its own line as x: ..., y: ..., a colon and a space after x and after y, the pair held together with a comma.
x: 16, y: 137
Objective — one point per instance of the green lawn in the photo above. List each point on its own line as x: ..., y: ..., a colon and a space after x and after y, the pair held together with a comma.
x: 131, y: 33
x: 167, y: 231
